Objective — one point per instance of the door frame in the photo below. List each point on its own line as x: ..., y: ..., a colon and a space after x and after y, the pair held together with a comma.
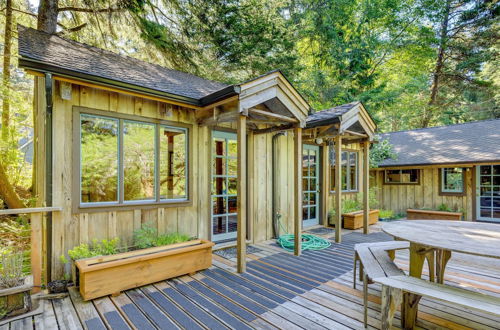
x: 317, y: 219
x: 477, y: 195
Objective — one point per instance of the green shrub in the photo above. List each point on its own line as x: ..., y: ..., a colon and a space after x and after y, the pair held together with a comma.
x: 351, y: 205
x: 94, y: 249
x: 444, y: 207
x: 386, y: 214
x: 147, y: 237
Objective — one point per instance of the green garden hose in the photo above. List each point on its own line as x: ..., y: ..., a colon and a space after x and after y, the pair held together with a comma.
x: 309, y: 242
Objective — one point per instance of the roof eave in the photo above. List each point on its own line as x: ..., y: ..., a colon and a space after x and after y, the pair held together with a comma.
x: 443, y: 163
x: 38, y: 66
x: 224, y: 93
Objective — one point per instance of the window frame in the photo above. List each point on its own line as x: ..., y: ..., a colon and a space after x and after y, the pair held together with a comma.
x: 419, y: 176
x: 330, y: 166
x: 441, y: 183
x: 78, y: 206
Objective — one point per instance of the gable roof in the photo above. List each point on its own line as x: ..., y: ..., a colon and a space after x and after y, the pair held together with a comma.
x: 329, y: 116
x: 38, y: 49
x: 462, y: 143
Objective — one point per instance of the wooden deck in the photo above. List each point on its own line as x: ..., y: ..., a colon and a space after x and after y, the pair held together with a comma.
x: 279, y: 290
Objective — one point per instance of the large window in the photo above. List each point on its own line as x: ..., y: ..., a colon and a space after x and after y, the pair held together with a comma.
x: 125, y: 161
x: 411, y: 176
x: 349, y: 170
x: 452, y: 180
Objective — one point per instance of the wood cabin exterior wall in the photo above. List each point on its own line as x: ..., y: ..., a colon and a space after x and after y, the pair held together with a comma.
x: 72, y: 227
x: 425, y: 194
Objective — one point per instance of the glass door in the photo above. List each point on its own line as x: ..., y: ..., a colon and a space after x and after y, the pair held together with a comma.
x: 310, y: 185
x: 224, y: 186
x: 488, y: 192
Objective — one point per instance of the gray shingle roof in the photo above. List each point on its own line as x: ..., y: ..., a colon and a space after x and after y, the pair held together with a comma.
x: 60, y: 53
x: 328, y: 116
x: 462, y: 143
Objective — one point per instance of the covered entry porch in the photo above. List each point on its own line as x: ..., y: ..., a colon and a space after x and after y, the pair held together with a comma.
x: 282, y: 177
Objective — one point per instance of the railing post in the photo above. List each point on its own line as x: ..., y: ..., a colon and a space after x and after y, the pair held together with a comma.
x: 36, y: 248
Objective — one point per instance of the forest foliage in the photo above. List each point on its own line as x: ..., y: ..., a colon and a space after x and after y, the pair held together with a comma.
x: 413, y: 63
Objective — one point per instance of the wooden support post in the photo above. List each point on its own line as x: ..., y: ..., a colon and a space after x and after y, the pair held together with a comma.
x: 297, y: 156
x: 36, y: 251
x: 325, y: 185
x: 366, y: 186
x: 338, y: 188
x: 242, y: 193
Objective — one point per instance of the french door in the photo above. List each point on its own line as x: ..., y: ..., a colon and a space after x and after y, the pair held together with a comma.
x: 224, y: 186
x: 310, y: 185
x: 488, y: 192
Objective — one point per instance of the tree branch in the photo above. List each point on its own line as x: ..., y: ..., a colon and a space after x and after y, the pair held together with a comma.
x: 90, y: 10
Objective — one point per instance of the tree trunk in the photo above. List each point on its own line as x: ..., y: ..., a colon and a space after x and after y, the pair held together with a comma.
x: 47, y: 16
x: 7, y: 192
x: 6, y: 72
x: 438, y: 69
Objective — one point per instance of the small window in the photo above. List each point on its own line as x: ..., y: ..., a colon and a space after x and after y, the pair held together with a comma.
x: 411, y: 176
x: 452, y: 180
x: 126, y: 161
x: 349, y: 171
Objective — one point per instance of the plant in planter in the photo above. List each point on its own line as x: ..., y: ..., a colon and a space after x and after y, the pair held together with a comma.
x: 442, y: 212
x: 15, y: 295
x: 154, y: 258
x: 386, y: 215
x: 94, y: 249
x: 352, y: 210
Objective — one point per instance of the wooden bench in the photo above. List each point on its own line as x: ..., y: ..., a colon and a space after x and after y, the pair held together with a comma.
x: 376, y: 261
x: 396, y: 288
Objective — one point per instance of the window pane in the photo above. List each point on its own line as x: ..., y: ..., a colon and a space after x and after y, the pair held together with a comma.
x: 452, y: 179
x: 401, y: 176
x: 99, y: 159
x: 344, y: 169
x: 173, y: 163
x: 138, y: 161
x: 219, y: 146
x: 353, y: 170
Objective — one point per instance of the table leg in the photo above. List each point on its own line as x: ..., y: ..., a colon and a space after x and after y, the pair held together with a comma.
x: 409, y: 307
x: 442, y: 258
x: 431, y: 263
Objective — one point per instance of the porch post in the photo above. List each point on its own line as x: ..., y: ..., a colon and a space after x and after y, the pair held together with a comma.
x: 366, y: 185
x: 297, y: 156
x: 338, y: 188
x: 242, y: 193
x: 325, y: 185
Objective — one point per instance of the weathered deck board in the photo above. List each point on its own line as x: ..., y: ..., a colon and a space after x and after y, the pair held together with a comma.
x: 278, y: 291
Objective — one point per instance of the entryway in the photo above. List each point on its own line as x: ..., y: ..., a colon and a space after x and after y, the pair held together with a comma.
x: 488, y: 192
x: 310, y: 185
x: 224, y: 186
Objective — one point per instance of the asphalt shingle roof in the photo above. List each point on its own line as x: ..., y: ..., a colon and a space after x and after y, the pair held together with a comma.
x: 462, y: 143
x: 73, y: 56
x: 324, y: 117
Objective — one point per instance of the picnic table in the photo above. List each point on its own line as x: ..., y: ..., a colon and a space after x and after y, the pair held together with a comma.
x: 444, y: 237
x: 437, y: 239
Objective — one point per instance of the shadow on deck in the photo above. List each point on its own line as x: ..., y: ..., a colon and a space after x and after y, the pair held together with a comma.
x: 279, y: 290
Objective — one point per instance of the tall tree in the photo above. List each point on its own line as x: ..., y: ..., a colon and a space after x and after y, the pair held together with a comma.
x: 6, y: 70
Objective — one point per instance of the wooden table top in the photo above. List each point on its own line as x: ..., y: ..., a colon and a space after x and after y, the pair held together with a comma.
x: 482, y: 239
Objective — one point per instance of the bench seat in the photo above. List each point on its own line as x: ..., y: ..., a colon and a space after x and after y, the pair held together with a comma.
x: 394, y: 287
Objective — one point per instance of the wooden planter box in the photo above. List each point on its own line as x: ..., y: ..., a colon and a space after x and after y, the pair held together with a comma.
x: 414, y: 214
x: 101, y: 276
x: 15, y: 301
x: 354, y: 220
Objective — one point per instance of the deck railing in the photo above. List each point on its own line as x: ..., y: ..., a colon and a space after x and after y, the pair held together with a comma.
x: 37, y: 233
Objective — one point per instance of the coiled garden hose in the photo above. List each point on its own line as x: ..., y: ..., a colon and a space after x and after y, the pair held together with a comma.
x: 309, y: 242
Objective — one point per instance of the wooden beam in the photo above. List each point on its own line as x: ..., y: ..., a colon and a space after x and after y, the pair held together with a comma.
x: 356, y: 133
x: 272, y: 129
x: 338, y: 189
x: 242, y: 193
x: 366, y: 185
x: 29, y: 210
x: 272, y: 115
x: 219, y: 118
x: 297, y: 161
x: 221, y: 102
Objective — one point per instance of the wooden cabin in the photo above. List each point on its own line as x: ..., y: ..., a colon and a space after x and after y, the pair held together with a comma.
x: 121, y: 144
x: 456, y: 166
